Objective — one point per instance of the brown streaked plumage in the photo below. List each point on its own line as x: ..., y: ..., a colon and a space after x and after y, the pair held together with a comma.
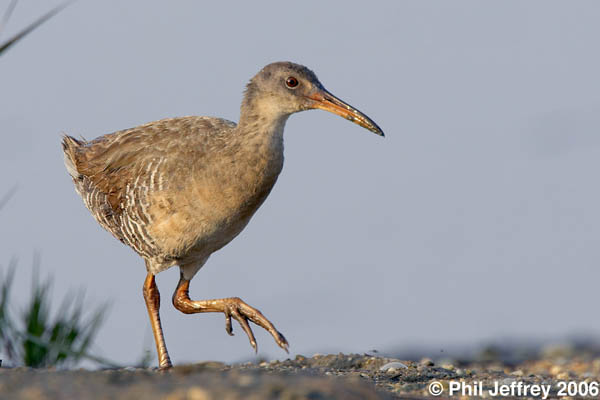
x: 179, y: 189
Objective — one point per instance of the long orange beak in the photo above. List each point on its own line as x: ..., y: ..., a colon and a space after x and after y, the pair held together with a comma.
x: 326, y: 101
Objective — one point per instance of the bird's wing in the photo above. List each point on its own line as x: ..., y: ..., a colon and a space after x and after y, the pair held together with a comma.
x: 114, y: 161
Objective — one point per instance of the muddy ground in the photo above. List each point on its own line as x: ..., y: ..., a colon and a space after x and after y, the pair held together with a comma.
x: 339, y: 376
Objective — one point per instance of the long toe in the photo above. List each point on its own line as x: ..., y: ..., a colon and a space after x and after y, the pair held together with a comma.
x: 242, y: 312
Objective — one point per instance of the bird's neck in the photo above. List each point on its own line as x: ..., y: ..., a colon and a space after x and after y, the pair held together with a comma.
x: 260, y: 128
x: 256, y: 145
x: 260, y: 113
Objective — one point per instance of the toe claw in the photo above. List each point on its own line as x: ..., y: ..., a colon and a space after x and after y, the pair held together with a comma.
x: 282, y: 338
x: 283, y: 343
x: 228, y: 327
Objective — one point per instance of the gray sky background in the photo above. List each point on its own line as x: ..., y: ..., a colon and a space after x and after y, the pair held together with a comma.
x: 476, y: 217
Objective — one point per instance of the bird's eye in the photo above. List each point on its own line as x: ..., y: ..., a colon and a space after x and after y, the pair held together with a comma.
x: 291, y: 82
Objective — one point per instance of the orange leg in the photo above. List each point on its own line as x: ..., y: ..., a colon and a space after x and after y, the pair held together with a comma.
x: 152, y: 297
x: 231, y: 307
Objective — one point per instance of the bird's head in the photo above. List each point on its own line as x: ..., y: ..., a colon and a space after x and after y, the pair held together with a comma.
x: 283, y: 88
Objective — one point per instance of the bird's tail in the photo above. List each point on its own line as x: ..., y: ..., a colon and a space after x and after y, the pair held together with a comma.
x: 70, y: 146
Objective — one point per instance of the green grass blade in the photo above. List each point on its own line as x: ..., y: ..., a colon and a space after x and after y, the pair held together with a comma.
x: 31, y: 27
x: 7, y: 14
x: 4, y: 199
x: 39, y: 339
x: 7, y: 337
x: 99, y: 360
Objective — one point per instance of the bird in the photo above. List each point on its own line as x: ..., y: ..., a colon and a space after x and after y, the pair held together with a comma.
x: 177, y: 190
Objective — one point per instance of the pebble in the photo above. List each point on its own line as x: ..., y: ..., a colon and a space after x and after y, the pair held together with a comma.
x: 392, y: 365
x: 563, y: 376
x: 245, y: 380
x: 428, y: 362
x: 197, y: 393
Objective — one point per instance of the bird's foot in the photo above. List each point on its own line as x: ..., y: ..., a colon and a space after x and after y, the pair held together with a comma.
x: 232, y: 307
x: 236, y: 308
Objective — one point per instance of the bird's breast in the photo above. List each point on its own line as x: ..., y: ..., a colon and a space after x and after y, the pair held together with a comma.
x: 217, y: 200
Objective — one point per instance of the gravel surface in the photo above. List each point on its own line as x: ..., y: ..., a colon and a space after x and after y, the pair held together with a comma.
x: 341, y: 376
